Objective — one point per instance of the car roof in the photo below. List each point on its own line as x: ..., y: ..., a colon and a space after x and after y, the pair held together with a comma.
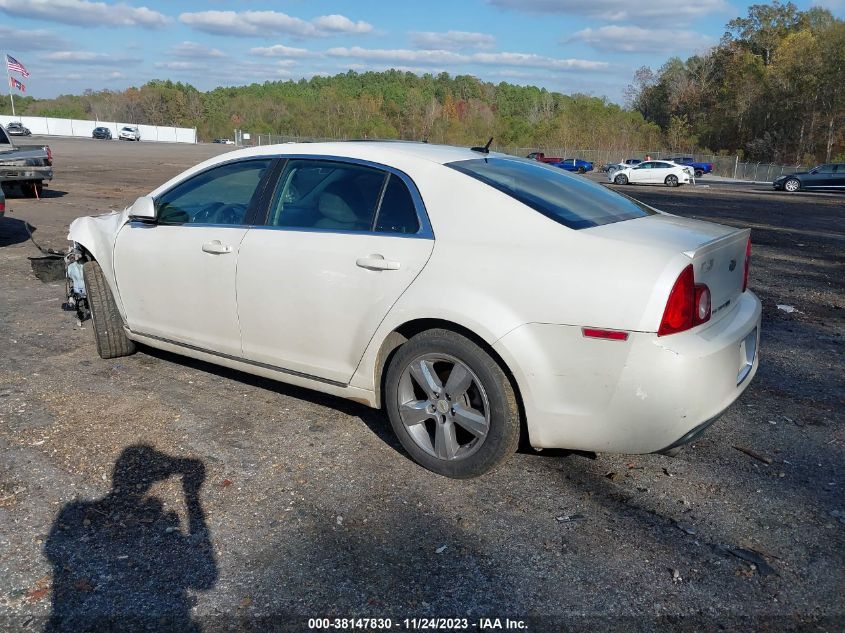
x: 375, y: 151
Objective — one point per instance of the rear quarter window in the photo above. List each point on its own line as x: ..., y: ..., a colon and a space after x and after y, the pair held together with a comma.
x: 571, y: 200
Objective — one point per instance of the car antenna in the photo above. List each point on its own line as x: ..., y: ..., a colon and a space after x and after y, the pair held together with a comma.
x: 485, y: 149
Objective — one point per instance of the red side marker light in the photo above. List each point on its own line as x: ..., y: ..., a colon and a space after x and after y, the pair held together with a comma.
x: 609, y: 335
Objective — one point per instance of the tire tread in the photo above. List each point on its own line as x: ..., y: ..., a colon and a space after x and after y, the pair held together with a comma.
x: 109, y: 334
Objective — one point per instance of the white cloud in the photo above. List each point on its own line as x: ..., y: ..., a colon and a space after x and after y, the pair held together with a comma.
x: 85, y: 13
x: 341, y: 24
x: 622, y: 10
x: 87, y: 58
x: 451, y: 40
x: 399, y: 55
x: 635, y: 39
x: 35, y: 40
x: 176, y: 65
x: 439, y: 58
x: 530, y: 60
x: 279, y: 50
x: 193, y: 50
x: 268, y: 23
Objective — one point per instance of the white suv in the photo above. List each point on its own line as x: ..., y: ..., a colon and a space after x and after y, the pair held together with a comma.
x: 129, y: 133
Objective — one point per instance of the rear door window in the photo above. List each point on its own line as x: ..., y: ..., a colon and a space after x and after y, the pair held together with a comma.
x: 567, y: 199
x: 329, y: 195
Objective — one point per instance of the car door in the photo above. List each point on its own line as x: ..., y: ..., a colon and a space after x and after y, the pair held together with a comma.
x: 176, y: 277
x: 838, y: 179
x: 659, y: 171
x: 341, y: 243
x: 641, y: 173
x: 820, y: 177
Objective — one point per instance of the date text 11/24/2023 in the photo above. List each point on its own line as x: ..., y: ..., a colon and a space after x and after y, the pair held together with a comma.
x: 418, y: 624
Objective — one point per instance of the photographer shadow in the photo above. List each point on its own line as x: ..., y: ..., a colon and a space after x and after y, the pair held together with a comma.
x: 124, y: 563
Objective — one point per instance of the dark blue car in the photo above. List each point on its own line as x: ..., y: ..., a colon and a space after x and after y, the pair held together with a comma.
x: 575, y: 164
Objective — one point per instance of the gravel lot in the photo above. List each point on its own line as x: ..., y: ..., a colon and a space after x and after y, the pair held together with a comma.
x: 309, y: 508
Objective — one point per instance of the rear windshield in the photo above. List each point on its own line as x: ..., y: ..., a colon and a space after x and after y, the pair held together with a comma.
x: 570, y: 200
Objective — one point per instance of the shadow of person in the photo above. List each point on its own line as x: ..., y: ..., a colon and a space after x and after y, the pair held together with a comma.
x: 123, y: 562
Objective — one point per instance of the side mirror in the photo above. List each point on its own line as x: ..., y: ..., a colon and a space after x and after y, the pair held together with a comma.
x: 143, y: 209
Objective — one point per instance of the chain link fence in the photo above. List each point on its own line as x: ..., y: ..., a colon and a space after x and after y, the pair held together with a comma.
x: 723, y: 166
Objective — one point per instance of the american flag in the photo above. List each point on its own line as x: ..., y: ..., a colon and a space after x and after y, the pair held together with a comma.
x: 14, y: 65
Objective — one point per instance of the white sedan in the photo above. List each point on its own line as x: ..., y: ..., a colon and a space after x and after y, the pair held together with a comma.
x: 129, y: 133
x: 474, y: 296
x: 652, y: 172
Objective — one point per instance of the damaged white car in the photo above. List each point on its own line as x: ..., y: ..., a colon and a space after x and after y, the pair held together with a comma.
x: 474, y: 296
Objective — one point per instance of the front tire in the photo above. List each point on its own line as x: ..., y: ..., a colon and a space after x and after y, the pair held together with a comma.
x: 792, y: 185
x: 671, y: 180
x: 621, y: 179
x: 451, y: 405
x: 109, y: 334
x: 699, y: 173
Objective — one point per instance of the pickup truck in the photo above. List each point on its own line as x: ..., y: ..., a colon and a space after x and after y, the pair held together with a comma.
x: 699, y: 168
x: 543, y: 158
x: 26, y: 167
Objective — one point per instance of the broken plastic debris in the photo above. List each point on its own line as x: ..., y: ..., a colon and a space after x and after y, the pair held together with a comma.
x: 786, y: 308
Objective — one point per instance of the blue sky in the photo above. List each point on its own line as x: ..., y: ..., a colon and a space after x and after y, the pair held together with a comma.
x: 590, y: 46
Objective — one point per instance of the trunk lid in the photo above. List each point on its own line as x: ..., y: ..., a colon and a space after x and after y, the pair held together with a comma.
x: 717, y: 252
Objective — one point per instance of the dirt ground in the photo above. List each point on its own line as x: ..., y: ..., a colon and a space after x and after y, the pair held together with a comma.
x: 159, y: 493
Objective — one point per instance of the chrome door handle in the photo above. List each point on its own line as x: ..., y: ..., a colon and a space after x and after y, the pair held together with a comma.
x: 376, y: 262
x: 216, y: 247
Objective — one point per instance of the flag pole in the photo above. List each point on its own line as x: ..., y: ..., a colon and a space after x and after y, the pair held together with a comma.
x: 9, y: 82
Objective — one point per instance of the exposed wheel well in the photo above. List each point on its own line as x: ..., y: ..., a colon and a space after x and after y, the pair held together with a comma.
x: 401, y: 334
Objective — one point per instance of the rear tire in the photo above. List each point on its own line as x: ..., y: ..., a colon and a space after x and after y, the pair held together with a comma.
x: 109, y: 334
x: 483, y: 396
x: 621, y: 179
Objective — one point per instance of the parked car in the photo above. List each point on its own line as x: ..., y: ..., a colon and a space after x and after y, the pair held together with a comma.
x: 828, y: 176
x: 652, y: 172
x: 575, y: 164
x: 129, y: 133
x: 17, y: 129
x: 102, y: 133
x: 541, y: 157
x: 550, y: 303
x: 25, y: 167
x: 224, y: 141
x: 699, y: 169
x: 628, y: 162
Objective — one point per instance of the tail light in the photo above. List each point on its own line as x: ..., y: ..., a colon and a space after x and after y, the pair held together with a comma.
x: 747, y: 264
x: 688, y: 304
x: 2, y: 207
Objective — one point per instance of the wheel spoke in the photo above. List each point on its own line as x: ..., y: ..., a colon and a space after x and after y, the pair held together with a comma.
x: 414, y: 412
x: 423, y: 373
x: 445, y: 442
x: 459, y: 381
x: 470, y: 419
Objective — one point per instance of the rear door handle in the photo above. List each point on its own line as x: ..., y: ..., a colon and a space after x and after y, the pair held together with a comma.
x: 376, y: 262
x: 216, y: 247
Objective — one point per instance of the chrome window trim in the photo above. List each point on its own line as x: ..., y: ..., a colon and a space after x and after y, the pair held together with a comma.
x: 425, y: 231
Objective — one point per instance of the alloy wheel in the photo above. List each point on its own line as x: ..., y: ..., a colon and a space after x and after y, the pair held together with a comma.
x: 443, y: 406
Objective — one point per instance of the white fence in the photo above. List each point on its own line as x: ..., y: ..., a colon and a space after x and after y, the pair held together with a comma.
x: 82, y: 128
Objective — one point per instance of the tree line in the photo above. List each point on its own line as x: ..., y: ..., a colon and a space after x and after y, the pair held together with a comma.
x: 772, y: 90
x: 392, y: 104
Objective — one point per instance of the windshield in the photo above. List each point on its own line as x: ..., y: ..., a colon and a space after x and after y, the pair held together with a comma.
x: 570, y: 200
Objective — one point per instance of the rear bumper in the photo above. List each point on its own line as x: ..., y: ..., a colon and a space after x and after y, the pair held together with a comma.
x: 642, y: 395
x: 17, y: 174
